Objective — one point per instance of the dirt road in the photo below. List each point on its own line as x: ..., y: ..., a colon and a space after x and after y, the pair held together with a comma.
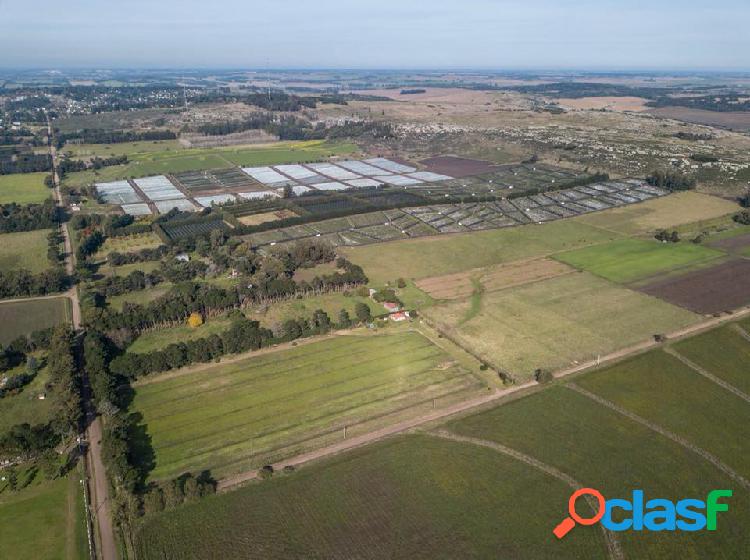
x: 364, y: 439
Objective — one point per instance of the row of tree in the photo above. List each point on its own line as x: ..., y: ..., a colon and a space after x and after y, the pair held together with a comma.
x: 102, y: 136
x: 22, y: 283
x: 671, y: 180
x: 16, y: 217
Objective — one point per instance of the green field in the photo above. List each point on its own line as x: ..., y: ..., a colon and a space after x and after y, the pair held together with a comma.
x: 414, y: 497
x: 24, y: 188
x: 128, y: 244
x: 446, y: 254
x: 723, y: 352
x: 24, y: 317
x: 124, y: 148
x: 25, y: 406
x: 555, y: 322
x: 193, y: 159
x: 628, y: 260
x: 232, y: 416
x: 157, y: 340
x: 667, y: 212
x: 45, y: 520
x: 277, y: 313
x: 660, y: 388
x: 27, y: 249
x: 607, y: 451
x: 139, y: 297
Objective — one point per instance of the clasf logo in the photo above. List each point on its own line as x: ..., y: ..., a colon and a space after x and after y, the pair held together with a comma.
x: 653, y: 515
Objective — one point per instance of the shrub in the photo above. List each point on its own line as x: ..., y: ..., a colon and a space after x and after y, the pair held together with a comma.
x: 543, y: 376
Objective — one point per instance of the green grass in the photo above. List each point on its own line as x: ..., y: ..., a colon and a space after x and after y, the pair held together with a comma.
x: 139, y: 297
x: 555, y: 322
x: 277, y: 313
x: 126, y: 148
x: 605, y: 450
x: 439, y: 255
x: 128, y: 244
x: 193, y: 159
x: 233, y: 415
x: 662, y: 389
x: 628, y: 260
x: 25, y: 406
x: 44, y: 520
x: 160, y: 339
x: 27, y: 249
x: 25, y: 317
x: 723, y: 352
x: 413, y: 497
x: 24, y: 188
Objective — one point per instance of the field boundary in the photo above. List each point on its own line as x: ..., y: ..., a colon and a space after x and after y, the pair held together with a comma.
x: 715, y: 461
x: 613, y: 543
x: 710, y: 376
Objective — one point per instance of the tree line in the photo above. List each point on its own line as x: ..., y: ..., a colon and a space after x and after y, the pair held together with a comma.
x: 28, y: 217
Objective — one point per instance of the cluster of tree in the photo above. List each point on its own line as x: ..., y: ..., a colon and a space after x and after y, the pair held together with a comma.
x: 667, y: 236
x: 291, y: 128
x: 27, y: 441
x: 742, y: 218
x: 22, y: 283
x: 719, y: 103
x: 361, y: 129
x: 598, y: 177
x: 671, y: 180
x: 575, y: 90
x: 279, y: 101
x: 412, y: 91
x: 26, y: 163
x: 17, y: 351
x: 703, y: 158
x: 694, y: 137
x: 89, y: 244
x: 28, y: 217
x: 68, y: 165
x: 135, y: 281
x: 143, y: 255
x: 744, y: 200
x: 54, y: 242
x: 171, y: 493
x: 255, y: 122
x: 242, y: 336
x: 101, y: 136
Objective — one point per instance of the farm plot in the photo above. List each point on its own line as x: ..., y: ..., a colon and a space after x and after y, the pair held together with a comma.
x: 463, y: 284
x: 24, y: 188
x: 118, y: 192
x: 215, y: 199
x: 267, y: 176
x: 724, y: 352
x: 158, y: 188
x: 333, y: 171
x: 160, y: 339
x: 264, y: 217
x: 461, y: 501
x: 128, y: 244
x: 555, y: 323
x: 182, y: 204
x: 716, y: 289
x: 668, y: 212
x: 24, y: 250
x: 662, y: 389
x: 24, y: 317
x: 274, y: 315
x: 139, y: 209
x: 230, y: 417
x: 457, y: 166
x: 178, y: 230
x: 390, y: 166
x: 603, y: 449
x: 628, y: 260
x: 427, y: 257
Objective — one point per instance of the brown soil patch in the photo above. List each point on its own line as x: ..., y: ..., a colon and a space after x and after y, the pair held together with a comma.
x: 434, y: 95
x: 458, y: 166
x: 713, y: 290
x: 460, y: 285
x: 736, y: 120
x: 611, y: 103
x: 262, y: 218
x: 733, y: 243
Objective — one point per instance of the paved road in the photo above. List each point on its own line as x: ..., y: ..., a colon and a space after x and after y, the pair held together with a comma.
x: 351, y: 443
x: 99, y: 490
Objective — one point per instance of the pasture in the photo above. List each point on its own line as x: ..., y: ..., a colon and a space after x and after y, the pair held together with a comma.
x: 724, y: 352
x: 139, y: 297
x: 24, y: 317
x: 629, y: 260
x: 24, y: 406
x: 555, y: 323
x: 246, y: 412
x: 603, y: 449
x: 449, y: 254
x: 413, y: 497
x: 662, y: 389
x: 26, y: 249
x: 274, y: 315
x: 160, y: 339
x: 123, y: 148
x: 24, y: 188
x: 128, y: 244
x: 44, y: 520
x: 662, y: 213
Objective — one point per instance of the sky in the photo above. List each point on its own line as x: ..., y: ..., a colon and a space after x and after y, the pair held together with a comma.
x: 387, y: 34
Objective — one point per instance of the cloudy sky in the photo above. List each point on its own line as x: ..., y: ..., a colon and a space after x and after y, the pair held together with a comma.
x: 492, y: 34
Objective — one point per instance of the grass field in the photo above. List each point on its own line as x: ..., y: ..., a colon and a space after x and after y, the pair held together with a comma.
x: 723, y: 352
x: 44, y: 520
x: 125, y: 148
x: 605, y: 450
x: 193, y: 159
x: 27, y: 249
x: 128, y: 244
x: 552, y: 323
x: 228, y: 417
x: 25, y: 317
x: 662, y: 389
x: 303, y: 308
x: 437, y: 256
x: 25, y: 406
x: 157, y: 340
x: 667, y: 212
x: 23, y: 188
x: 628, y: 260
x: 413, y: 497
